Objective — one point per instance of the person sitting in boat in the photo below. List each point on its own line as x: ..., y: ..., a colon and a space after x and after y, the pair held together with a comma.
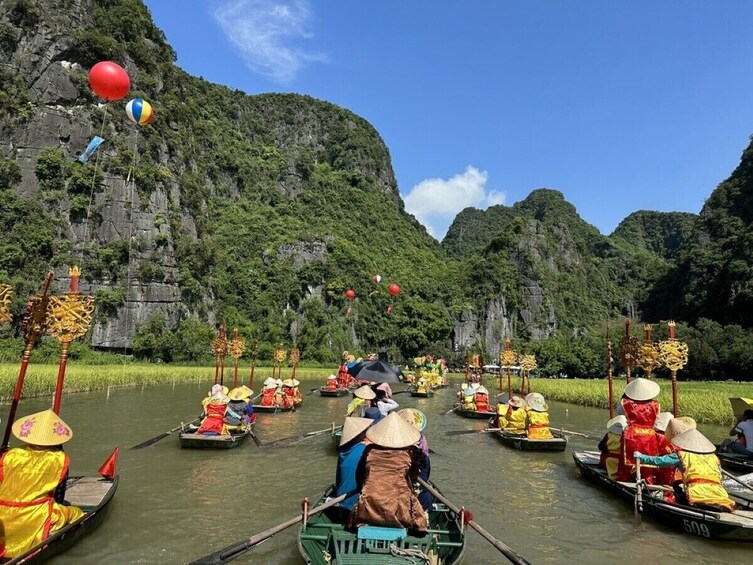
x: 468, y: 399
x: 288, y: 389
x: 744, y: 431
x: 249, y: 405
x: 669, y: 475
x: 268, y: 393
x: 214, y: 390
x: 537, y: 417
x: 514, y: 418
x: 236, y: 414
x: 297, y: 396
x: 701, y: 474
x: 461, y: 392
x: 362, y: 399
x: 388, y: 469
x: 610, y: 445
x: 640, y: 409
x: 352, y: 445
x: 373, y: 413
x: 332, y: 383
x: 213, y: 422
x: 343, y: 377
x: 418, y: 419
x: 666, y: 475
x: 384, y: 399
x: 32, y: 486
x: 282, y: 400
x: 481, y: 399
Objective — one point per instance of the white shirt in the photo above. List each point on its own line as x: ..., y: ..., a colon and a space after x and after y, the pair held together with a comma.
x: 746, y: 428
x: 387, y: 405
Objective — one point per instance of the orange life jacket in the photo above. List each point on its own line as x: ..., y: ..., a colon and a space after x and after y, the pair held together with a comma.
x: 482, y: 402
x: 331, y: 384
x: 268, y: 397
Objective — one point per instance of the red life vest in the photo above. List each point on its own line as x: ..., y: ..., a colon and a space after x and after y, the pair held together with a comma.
x: 343, y: 377
x: 332, y: 384
x: 639, y: 435
x: 268, y: 397
x: 482, y: 402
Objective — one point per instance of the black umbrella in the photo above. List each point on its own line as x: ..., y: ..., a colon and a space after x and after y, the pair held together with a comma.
x: 377, y: 372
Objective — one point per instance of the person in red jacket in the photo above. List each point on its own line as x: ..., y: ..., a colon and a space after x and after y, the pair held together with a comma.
x: 641, y: 410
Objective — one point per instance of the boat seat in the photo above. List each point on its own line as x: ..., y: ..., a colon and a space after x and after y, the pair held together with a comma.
x: 381, y: 533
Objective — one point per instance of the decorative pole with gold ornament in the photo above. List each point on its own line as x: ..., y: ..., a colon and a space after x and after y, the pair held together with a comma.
x: 295, y: 357
x: 527, y: 364
x: 508, y: 358
x: 279, y: 356
x: 674, y: 355
x: 610, y: 381
x: 649, y: 360
x: 68, y: 317
x: 628, y: 350
x: 254, y: 353
x: 237, y: 347
x: 6, y: 295
x: 219, y: 348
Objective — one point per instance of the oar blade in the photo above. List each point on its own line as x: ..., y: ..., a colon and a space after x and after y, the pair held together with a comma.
x: 151, y: 441
x: 462, y: 432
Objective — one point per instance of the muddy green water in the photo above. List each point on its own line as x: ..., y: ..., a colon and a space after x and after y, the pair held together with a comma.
x: 174, y: 504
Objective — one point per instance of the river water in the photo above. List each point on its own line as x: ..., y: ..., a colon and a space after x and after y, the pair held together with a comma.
x: 174, y: 505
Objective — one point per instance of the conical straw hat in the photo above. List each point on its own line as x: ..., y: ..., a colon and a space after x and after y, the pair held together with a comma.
x: 240, y: 393
x: 693, y: 441
x: 331, y: 377
x: 617, y: 425
x: 250, y: 392
x: 288, y: 382
x: 218, y: 388
x: 677, y: 426
x: 642, y: 389
x: 43, y: 428
x: 365, y: 392
x: 517, y: 402
x: 482, y: 390
x: 662, y: 420
x: 270, y: 385
x: 414, y: 417
x: 269, y: 381
x: 354, y: 426
x: 393, y: 432
x: 536, y: 401
x: 296, y: 382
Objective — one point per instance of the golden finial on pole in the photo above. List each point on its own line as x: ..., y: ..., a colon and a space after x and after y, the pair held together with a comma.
x: 674, y: 355
x: 628, y: 350
x: 237, y: 346
x: 68, y: 317
x: 6, y: 294
x: 508, y: 358
x: 220, y: 349
x: 295, y: 357
x: 527, y: 364
x: 648, y: 354
x: 279, y: 355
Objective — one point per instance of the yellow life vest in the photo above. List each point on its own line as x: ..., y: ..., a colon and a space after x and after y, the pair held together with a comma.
x: 517, y: 419
x: 538, y: 425
x: 469, y: 404
x: 703, y: 479
x: 28, y: 511
x: 613, y: 459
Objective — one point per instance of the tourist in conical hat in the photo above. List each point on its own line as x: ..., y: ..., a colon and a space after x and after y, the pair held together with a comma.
x: 236, y: 414
x: 701, y: 474
x: 32, y: 490
x: 352, y: 445
x: 641, y: 409
x: 363, y: 398
x: 268, y: 393
x: 610, y: 445
x: 390, y: 468
x: 481, y: 399
x: 537, y: 417
x: 213, y: 422
x: 332, y: 382
x: 511, y: 415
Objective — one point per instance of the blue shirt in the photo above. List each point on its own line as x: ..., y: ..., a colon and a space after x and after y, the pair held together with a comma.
x: 345, y: 479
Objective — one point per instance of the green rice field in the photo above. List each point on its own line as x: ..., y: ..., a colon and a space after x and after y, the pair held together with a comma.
x: 705, y: 401
x: 40, y: 379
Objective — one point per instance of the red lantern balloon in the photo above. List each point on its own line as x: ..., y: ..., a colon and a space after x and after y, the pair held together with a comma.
x: 109, y: 80
x: 350, y: 294
x: 393, y: 289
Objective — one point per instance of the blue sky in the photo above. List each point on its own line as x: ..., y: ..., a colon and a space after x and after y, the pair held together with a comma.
x: 622, y: 106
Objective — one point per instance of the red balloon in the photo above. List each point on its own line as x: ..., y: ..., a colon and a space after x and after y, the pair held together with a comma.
x: 109, y: 80
x: 393, y: 289
x: 350, y: 294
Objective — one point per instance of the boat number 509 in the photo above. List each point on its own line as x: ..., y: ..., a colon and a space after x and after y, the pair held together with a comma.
x: 693, y: 527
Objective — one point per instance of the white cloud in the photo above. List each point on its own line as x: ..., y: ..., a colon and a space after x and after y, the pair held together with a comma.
x: 436, y: 202
x: 266, y: 33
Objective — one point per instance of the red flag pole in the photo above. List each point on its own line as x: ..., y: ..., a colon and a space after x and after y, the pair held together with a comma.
x: 253, y: 362
x: 609, y: 375
x: 235, y: 359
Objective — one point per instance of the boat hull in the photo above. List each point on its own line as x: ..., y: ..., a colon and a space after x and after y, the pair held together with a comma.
x: 327, y: 393
x: 520, y: 441
x: 473, y: 413
x: 427, y: 394
x: 272, y: 409
x: 325, y: 535
x: 201, y: 441
x: 726, y: 526
x: 736, y: 462
x: 91, y: 494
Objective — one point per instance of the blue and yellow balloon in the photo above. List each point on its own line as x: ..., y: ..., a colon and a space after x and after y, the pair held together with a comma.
x: 139, y: 111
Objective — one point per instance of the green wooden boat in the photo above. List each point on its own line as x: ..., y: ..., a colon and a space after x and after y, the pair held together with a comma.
x: 326, y: 541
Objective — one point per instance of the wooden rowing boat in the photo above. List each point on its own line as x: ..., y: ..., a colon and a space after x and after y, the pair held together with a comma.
x: 727, y: 526
x: 324, y: 391
x: 474, y: 414
x: 325, y: 540
x: 272, y: 409
x: 520, y: 441
x: 193, y: 440
x: 92, y: 495
x: 736, y: 462
x: 426, y: 394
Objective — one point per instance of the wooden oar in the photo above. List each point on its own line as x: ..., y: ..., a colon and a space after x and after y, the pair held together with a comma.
x: 295, y: 439
x: 312, y: 391
x: 638, y: 501
x: 256, y: 439
x: 162, y: 436
x: 237, y: 549
x: 564, y: 431
x: 503, y: 548
x: 464, y: 432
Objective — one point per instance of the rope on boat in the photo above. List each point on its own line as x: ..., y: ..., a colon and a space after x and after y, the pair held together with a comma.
x: 409, y: 554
